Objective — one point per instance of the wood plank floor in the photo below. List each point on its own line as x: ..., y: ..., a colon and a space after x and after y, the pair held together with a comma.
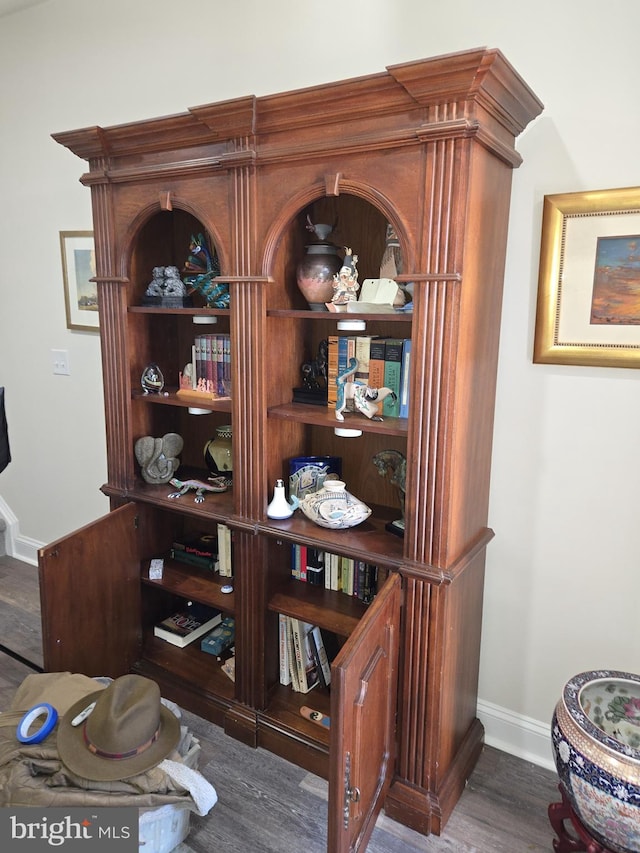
x: 267, y: 805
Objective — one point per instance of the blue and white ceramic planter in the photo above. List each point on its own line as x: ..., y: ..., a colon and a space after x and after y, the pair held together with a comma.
x: 333, y: 506
x: 596, y: 747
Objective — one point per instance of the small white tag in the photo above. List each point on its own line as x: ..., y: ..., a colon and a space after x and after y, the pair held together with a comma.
x: 155, y: 570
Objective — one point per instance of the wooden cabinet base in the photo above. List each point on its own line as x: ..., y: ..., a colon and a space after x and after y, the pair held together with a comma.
x: 428, y: 811
x: 241, y: 723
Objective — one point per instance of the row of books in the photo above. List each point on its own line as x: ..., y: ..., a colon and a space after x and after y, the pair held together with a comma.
x: 303, y: 657
x: 206, y: 550
x: 382, y: 362
x: 211, y: 364
x: 333, y: 571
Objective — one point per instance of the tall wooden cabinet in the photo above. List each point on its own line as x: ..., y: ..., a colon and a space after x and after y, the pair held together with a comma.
x: 427, y: 146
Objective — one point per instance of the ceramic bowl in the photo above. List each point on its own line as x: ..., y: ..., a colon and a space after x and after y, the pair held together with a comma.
x: 334, y: 507
x: 596, y: 746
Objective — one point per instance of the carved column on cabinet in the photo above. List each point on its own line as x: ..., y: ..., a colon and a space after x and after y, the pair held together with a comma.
x: 435, y: 324
x: 434, y: 337
x: 247, y: 396
x: 117, y: 388
x: 250, y: 584
x: 112, y: 302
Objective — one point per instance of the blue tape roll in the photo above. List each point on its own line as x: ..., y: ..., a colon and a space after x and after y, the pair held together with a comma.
x: 29, y: 719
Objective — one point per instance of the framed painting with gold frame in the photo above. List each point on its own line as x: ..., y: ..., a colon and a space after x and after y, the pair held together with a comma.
x: 78, y: 271
x: 588, y: 310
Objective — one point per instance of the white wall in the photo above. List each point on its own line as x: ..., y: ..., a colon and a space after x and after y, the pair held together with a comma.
x: 562, y: 582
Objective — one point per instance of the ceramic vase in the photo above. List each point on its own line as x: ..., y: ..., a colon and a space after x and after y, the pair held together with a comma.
x: 334, y: 507
x: 218, y: 453
x: 315, y: 271
x: 279, y: 506
x: 596, y: 746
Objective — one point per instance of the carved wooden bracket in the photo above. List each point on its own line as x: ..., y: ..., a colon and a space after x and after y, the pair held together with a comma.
x: 332, y: 183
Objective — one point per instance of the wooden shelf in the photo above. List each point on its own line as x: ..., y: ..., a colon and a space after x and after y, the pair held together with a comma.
x: 190, y: 665
x: 368, y: 541
x: 179, y: 312
x: 318, y: 316
x: 216, y: 505
x: 283, y: 712
x: 169, y: 397
x: 330, y: 610
x: 325, y: 416
x: 193, y: 583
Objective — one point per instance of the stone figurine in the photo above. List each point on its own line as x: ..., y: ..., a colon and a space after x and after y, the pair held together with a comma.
x: 158, y: 457
x: 166, y: 288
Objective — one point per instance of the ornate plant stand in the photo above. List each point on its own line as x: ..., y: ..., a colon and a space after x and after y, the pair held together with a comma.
x: 566, y: 842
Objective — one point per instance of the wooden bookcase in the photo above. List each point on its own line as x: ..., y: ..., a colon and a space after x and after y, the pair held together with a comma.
x: 429, y: 147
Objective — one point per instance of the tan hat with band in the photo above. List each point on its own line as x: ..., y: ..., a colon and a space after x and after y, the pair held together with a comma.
x: 128, y: 732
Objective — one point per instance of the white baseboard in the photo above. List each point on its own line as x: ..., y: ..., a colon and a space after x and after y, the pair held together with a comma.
x: 20, y: 547
x: 25, y: 549
x: 516, y: 734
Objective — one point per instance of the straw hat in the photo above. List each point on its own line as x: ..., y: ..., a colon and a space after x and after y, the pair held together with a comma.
x: 129, y: 731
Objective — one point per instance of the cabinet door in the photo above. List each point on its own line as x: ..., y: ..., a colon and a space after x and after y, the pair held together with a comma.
x: 364, y: 678
x: 90, y: 597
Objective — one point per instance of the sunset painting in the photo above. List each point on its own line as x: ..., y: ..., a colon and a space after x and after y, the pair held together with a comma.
x: 616, y: 283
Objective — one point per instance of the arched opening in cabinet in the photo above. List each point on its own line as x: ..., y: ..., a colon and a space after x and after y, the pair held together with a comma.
x: 356, y: 223
x: 309, y: 430
x: 162, y: 238
x: 168, y: 335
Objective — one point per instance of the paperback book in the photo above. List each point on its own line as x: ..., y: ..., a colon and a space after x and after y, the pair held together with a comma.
x: 187, y: 625
x: 198, y: 550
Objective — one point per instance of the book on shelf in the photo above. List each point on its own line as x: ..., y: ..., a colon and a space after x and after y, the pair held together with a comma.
x: 335, y: 572
x: 223, y: 636
x: 224, y: 551
x: 346, y: 575
x: 315, y: 566
x: 332, y: 370
x: 404, y: 379
x: 393, y: 376
x: 320, y: 655
x: 363, y: 357
x: 340, y: 349
x: 305, y: 661
x: 187, y: 625
x: 283, y: 641
x: 200, y: 549
x: 207, y: 563
x: 291, y: 656
x: 376, y: 363
x: 301, y: 562
x: 226, y: 367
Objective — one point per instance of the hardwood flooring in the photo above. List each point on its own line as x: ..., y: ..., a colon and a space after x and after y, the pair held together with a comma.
x: 267, y: 805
